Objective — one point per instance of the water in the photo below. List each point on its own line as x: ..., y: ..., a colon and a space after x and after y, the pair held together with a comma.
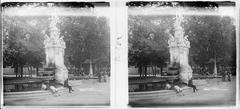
x: 22, y: 87
x: 13, y: 84
x: 151, y: 86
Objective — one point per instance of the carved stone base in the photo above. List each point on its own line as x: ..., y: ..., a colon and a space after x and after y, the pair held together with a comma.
x: 61, y: 74
x: 179, y: 55
x: 55, y: 57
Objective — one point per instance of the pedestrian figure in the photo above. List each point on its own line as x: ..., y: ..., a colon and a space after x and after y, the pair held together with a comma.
x: 229, y: 75
x: 44, y: 86
x: 190, y: 84
x: 223, y: 75
x: 52, y: 87
x: 168, y: 86
x: 207, y: 73
x: 54, y: 90
x: 100, y: 76
x: 66, y: 84
x: 105, y: 76
x: 178, y: 90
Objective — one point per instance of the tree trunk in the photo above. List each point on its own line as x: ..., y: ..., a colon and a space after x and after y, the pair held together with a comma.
x: 155, y: 70
x: 21, y: 72
x: 31, y: 70
x: 71, y: 69
x: 145, y: 71
x: 78, y: 71
x: 16, y: 70
x: 74, y: 70
x: 140, y: 71
x: 161, y: 70
x: 154, y: 74
x: 37, y: 71
x: 148, y: 70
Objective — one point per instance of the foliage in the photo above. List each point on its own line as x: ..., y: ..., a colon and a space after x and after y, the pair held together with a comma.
x: 212, y: 37
x: 86, y: 37
x: 148, y: 40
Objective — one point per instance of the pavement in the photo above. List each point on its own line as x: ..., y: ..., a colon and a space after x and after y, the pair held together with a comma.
x: 214, y: 93
x: 86, y: 93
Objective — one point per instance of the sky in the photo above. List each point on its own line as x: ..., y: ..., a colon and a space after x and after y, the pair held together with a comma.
x: 221, y: 11
x: 61, y: 11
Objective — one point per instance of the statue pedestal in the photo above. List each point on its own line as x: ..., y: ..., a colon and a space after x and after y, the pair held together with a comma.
x: 179, y: 54
x: 54, y: 50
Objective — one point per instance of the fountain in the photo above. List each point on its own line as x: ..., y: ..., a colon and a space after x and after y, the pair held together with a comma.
x: 54, y: 49
x: 179, y: 50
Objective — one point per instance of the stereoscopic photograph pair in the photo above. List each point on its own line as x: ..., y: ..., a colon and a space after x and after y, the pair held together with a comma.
x: 59, y: 54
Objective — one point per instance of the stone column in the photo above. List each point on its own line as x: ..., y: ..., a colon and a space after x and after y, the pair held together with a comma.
x: 179, y: 50
x: 54, y: 49
x: 90, y: 67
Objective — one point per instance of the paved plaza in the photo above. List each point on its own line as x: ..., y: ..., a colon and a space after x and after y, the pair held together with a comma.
x: 215, y: 93
x: 86, y: 93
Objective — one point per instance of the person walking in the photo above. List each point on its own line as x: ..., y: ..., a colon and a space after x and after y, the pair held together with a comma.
x: 225, y: 75
x: 190, y: 84
x: 168, y: 86
x: 229, y: 75
x: 66, y: 84
x: 105, y: 76
x: 100, y: 76
x: 44, y: 86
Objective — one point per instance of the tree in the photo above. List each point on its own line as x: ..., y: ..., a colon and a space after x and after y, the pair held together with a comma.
x: 22, y: 43
x: 212, y: 39
x: 148, y: 41
x: 86, y: 38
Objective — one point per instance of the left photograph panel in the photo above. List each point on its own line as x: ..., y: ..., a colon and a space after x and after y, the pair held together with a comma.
x: 56, y: 54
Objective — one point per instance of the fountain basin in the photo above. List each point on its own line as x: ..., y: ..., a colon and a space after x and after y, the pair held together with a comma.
x: 26, y: 87
x: 13, y: 84
x: 142, y: 95
x: 137, y: 84
x: 141, y: 88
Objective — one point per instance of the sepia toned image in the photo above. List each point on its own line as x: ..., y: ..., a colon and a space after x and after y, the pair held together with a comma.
x: 182, y: 54
x: 56, y: 54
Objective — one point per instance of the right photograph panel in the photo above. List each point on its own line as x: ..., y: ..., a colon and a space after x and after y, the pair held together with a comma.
x: 181, y: 54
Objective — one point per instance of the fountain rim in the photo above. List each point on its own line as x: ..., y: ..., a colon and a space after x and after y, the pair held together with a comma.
x: 177, y: 46
x: 28, y: 93
x: 55, y: 47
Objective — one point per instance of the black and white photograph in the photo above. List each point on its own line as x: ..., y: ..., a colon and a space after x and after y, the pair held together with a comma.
x: 56, y: 54
x: 182, y: 54
x: 120, y: 54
